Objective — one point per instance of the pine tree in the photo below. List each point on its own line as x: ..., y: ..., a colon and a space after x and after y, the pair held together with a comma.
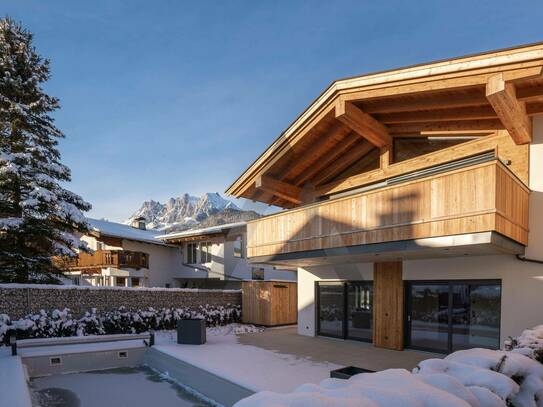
x: 39, y: 219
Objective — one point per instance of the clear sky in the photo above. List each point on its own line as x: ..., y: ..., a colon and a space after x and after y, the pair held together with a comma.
x: 165, y: 97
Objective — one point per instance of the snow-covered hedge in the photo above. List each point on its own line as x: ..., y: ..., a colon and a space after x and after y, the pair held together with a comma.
x: 529, y: 343
x: 62, y: 323
x: 474, y: 377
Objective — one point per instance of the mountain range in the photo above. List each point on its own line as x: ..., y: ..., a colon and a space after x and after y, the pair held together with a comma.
x: 187, y: 212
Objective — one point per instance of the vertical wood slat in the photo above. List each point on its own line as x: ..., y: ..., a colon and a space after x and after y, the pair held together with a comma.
x: 480, y: 198
x: 269, y: 303
x: 388, y: 305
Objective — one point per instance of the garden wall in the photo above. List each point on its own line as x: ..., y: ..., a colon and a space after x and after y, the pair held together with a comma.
x: 18, y: 300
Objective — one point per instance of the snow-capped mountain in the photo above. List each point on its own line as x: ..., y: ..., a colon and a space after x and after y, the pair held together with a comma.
x: 188, y: 211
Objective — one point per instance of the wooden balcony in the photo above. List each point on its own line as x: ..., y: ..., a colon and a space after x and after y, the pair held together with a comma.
x: 109, y: 258
x: 477, y: 197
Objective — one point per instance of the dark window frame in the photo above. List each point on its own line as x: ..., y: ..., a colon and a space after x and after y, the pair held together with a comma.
x: 449, y: 283
x: 344, y: 330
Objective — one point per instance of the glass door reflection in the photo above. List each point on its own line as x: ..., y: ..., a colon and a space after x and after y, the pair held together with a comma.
x: 331, y: 310
x: 429, y: 316
x: 360, y: 311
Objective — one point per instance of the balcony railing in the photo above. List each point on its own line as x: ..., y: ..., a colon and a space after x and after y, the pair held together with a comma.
x: 479, y: 197
x: 109, y: 258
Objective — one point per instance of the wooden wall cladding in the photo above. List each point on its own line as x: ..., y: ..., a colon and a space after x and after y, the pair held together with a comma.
x: 388, y: 305
x: 270, y: 303
x: 480, y: 198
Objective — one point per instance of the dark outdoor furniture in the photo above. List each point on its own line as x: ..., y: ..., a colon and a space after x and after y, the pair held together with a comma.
x: 191, y: 331
x: 347, y: 372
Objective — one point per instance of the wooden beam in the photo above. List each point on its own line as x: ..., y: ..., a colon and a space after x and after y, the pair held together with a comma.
x: 278, y: 188
x: 434, y: 101
x: 530, y: 94
x: 441, y: 115
x: 327, y: 159
x: 512, y: 112
x: 342, y: 163
x: 362, y: 123
x: 385, y: 156
x: 462, y: 125
x: 336, y: 135
x: 456, y: 152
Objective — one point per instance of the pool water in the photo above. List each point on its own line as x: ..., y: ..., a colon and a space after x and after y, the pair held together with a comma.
x: 121, y: 387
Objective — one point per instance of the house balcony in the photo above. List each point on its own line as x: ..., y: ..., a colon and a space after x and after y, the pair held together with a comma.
x: 121, y: 259
x: 473, y: 206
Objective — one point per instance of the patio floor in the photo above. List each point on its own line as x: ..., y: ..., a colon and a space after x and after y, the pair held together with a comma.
x: 347, y: 353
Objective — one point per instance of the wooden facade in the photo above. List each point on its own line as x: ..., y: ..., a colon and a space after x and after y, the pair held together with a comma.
x: 108, y: 258
x: 331, y: 146
x: 479, y: 198
x: 388, y: 305
x: 428, y: 151
x: 269, y: 303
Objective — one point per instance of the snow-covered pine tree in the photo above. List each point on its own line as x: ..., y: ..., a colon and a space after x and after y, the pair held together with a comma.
x: 39, y: 218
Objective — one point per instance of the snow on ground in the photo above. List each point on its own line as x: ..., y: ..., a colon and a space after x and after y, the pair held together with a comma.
x: 254, y: 368
x: 474, y: 377
x: 13, y: 386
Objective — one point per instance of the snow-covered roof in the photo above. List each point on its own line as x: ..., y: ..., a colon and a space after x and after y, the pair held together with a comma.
x: 203, y: 231
x: 107, y: 228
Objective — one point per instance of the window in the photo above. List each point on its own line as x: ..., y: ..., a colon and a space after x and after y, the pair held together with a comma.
x: 345, y: 309
x: 120, y: 281
x: 135, y: 282
x: 238, y: 246
x: 205, y: 249
x: 446, y: 316
x: 192, y: 253
x: 257, y: 273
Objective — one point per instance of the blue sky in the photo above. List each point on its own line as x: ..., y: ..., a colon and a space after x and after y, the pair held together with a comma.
x: 165, y: 97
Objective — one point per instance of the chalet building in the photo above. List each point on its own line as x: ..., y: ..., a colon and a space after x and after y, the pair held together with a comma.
x: 414, y: 204
x: 131, y: 256
x: 217, y: 254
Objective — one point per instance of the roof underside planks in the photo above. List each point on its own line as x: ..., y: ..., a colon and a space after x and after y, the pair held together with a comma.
x: 353, y: 117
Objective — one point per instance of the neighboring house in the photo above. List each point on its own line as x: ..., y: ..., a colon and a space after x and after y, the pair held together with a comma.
x: 217, y: 254
x: 131, y: 256
x: 125, y: 255
x: 415, y: 204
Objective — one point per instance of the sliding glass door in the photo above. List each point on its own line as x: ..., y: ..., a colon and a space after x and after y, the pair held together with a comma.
x: 446, y: 316
x: 331, y: 309
x: 359, y: 311
x: 344, y: 309
x: 429, y: 317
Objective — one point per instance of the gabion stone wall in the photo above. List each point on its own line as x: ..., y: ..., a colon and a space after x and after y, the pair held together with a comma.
x: 18, y: 300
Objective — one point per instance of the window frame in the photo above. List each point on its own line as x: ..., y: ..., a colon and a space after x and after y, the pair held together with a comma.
x: 238, y: 253
x: 205, y: 252
x: 192, y: 253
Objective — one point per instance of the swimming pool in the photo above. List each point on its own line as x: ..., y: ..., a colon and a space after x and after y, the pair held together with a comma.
x: 119, y: 387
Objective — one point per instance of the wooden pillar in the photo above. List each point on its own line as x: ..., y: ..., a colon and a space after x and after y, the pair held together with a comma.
x: 388, y: 305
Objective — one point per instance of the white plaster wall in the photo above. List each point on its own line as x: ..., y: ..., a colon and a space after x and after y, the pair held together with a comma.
x: 522, y: 282
x: 306, y: 288
x: 165, y: 262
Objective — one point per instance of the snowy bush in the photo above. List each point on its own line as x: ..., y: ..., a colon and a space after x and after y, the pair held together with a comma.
x: 529, y: 343
x: 62, y: 323
x: 474, y: 377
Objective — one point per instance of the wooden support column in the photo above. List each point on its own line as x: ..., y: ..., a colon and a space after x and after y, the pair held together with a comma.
x: 388, y: 305
x: 385, y: 156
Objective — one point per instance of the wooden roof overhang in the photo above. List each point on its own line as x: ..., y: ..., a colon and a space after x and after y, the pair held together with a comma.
x: 176, y: 240
x: 356, y: 119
